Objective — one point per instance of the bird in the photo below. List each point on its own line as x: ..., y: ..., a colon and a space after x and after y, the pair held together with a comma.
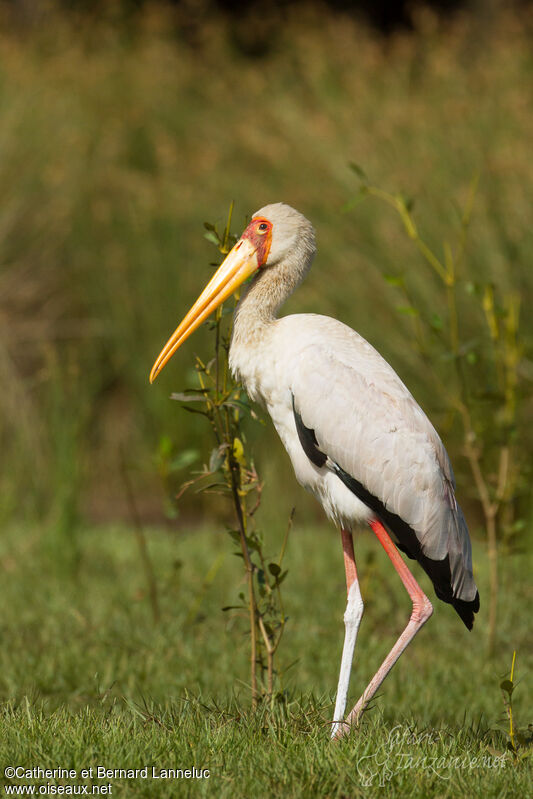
x: 356, y: 437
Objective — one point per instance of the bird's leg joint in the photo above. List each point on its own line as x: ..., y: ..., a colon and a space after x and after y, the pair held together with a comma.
x: 354, y: 606
x: 422, y: 609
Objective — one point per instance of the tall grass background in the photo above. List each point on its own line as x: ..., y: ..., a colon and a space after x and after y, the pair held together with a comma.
x: 117, y: 142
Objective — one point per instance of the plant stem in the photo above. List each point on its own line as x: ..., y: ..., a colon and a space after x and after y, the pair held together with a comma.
x: 252, y: 607
x: 490, y: 510
x: 511, y: 726
x: 270, y: 648
x: 492, y: 546
x: 286, y: 536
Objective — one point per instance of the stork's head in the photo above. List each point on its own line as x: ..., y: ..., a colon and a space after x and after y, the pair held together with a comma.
x: 290, y: 233
x: 277, y: 234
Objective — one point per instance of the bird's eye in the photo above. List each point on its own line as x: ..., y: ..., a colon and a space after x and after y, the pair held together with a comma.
x: 263, y: 227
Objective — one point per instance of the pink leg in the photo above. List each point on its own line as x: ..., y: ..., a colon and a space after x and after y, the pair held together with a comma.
x: 422, y: 610
x: 349, y: 559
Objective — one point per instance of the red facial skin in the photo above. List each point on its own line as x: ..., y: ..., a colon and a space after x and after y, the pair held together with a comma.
x: 261, y: 239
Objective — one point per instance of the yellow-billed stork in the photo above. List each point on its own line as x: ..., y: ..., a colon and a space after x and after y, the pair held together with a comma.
x: 356, y: 437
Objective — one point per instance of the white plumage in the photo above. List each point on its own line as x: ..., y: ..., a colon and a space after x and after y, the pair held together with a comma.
x: 355, y: 435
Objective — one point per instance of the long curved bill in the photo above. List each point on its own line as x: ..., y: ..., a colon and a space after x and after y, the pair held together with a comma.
x: 239, y: 264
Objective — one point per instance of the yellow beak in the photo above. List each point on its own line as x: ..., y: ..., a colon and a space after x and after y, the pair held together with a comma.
x: 239, y: 264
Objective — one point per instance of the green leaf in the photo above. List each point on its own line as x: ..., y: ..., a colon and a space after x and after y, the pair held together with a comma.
x: 216, y: 459
x: 210, y: 486
x: 351, y: 204
x: 253, y: 546
x: 186, y: 397
x: 507, y: 686
x: 183, y: 459
x: 212, y: 237
x: 238, y: 451
x: 209, y: 226
x: 171, y: 511
x: 234, y: 403
x: 394, y: 280
x: 407, y: 310
x: 194, y: 410
x: 165, y: 446
x: 359, y: 171
x: 274, y: 569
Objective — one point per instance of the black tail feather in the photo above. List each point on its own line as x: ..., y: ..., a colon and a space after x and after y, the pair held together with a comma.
x: 466, y: 610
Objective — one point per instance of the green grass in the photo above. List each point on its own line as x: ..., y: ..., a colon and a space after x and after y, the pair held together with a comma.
x: 87, y: 679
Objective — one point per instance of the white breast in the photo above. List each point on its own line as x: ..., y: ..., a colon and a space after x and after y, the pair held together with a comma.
x: 266, y: 370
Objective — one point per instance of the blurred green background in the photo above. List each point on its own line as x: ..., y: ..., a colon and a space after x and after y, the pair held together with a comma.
x: 123, y: 132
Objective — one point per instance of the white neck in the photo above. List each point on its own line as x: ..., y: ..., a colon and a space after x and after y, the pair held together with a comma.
x: 257, y: 310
